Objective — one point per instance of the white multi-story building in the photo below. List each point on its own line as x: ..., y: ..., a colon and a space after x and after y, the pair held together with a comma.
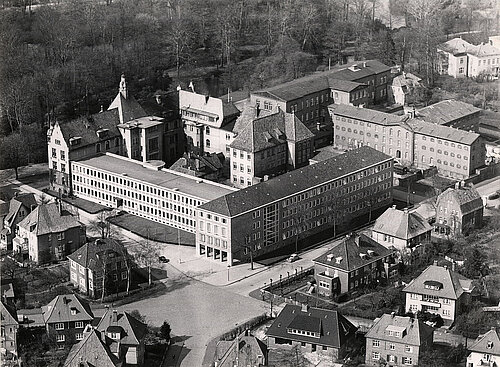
x: 145, y: 189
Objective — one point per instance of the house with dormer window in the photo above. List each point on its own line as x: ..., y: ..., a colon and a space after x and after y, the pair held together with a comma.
x: 65, y: 317
x: 440, y: 291
x: 313, y: 330
x: 485, y: 352
x: 397, y: 340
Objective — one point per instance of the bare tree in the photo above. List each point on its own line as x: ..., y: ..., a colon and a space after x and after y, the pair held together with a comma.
x: 147, y: 254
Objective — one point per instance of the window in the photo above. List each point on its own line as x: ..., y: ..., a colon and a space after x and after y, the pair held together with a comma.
x: 375, y: 343
x: 375, y: 356
x: 59, y: 326
x: 408, y: 349
x: 207, y: 143
x: 79, y: 336
x: 392, y: 346
x: 407, y: 360
x: 60, y: 338
x: 153, y: 144
x: 79, y: 324
x: 98, y: 147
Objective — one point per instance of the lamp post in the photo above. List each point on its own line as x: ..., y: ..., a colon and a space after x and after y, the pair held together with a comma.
x: 228, y: 267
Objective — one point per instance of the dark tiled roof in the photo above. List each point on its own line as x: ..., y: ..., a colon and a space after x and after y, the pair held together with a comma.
x: 350, y: 250
x: 447, y: 111
x: 416, y: 331
x: 86, y: 128
x: 344, y: 85
x: 236, y: 96
x: 92, y: 351
x: 197, y: 165
x: 488, y: 343
x: 26, y: 200
x: 133, y: 328
x: 229, y: 109
x: 59, y: 309
x: 366, y: 114
x: 401, y: 224
x: 468, y: 198
x: 335, y: 328
x: 47, y: 219
x: 442, y: 132
x: 269, y: 131
x: 453, y: 284
x: 296, y: 181
x: 249, y: 348
x: 127, y: 108
x: 8, y: 314
x: 89, y: 255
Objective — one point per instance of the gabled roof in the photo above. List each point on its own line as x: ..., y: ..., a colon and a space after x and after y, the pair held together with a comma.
x: 455, y: 46
x: 350, y: 251
x: 86, y: 127
x: 198, y: 165
x: 248, y: 348
x: 483, y: 50
x: 266, y: 192
x: 134, y: 330
x: 8, y: 314
x: 414, y: 331
x: 46, y: 219
x: 468, y: 198
x: 365, y: 114
x: 447, y: 111
x: 335, y: 329
x: 452, y: 285
x: 488, y: 343
x: 92, y: 351
x: 26, y: 200
x: 60, y: 309
x: 91, y: 254
x: 7, y: 290
x: 401, y: 224
x: 406, y: 79
x: 271, y: 130
x: 127, y: 107
x: 442, y: 132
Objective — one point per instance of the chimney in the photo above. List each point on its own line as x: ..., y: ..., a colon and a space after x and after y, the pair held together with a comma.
x: 453, y: 266
x: 364, y: 64
x: 457, y: 185
x: 394, y: 207
x: 123, y: 87
x: 445, y: 267
x: 114, y: 316
x: 435, y: 262
x: 158, y: 99
x: 257, y: 111
x: 405, y: 210
x: 102, y: 109
x: 393, y: 314
x: 318, y: 126
x: 305, y: 307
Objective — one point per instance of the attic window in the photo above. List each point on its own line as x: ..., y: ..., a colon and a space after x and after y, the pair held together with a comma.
x: 75, y: 140
x: 433, y: 285
x: 102, y: 133
x: 338, y: 259
x: 268, y: 136
x: 74, y: 311
x: 489, y: 345
x: 32, y: 227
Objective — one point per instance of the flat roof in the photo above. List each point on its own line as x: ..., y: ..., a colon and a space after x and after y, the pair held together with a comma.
x: 142, y: 122
x: 165, y: 178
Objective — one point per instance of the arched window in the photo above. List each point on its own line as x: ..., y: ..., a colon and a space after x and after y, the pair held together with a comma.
x: 98, y: 147
x: 207, y: 143
x: 398, y: 153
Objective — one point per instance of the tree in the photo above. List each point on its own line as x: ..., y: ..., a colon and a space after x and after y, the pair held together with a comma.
x: 165, y: 331
x: 128, y: 260
x: 138, y: 316
x: 12, y: 152
x: 475, y: 263
x: 102, y: 226
x: 9, y: 268
x: 147, y: 254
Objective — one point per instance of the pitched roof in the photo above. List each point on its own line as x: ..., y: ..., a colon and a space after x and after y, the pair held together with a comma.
x: 271, y: 130
x: 447, y: 111
x: 92, y: 351
x: 468, y: 198
x: 86, y: 127
x: 198, y: 165
x: 47, y: 219
x: 442, y: 132
x: 401, y: 224
x: 127, y: 108
x: 355, y: 251
x: 61, y: 307
x: 455, y: 46
x: 323, y: 155
x: 451, y: 285
x: 483, y: 50
x: 8, y: 314
x: 487, y: 343
x: 7, y: 290
x: 306, y: 178
x: 26, y: 200
x: 334, y: 328
x: 406, y: 79
x: 90, y: 255
x: 134, y: 330
x: 415, y: 331
x: 344, y: 85
x: 249, y: 349
x: 366, y: 114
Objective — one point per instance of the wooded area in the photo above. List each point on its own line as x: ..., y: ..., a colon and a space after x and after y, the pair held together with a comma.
x: 64, y: 59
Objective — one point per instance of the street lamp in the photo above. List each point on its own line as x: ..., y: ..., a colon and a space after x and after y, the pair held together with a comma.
x: 228, y: 267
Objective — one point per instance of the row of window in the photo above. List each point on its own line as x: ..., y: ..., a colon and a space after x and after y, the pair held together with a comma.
x: 439, y: 141
x: 439, y: 151
x: 391, y: 346
x: 198, y: 116
x: 439, y: 161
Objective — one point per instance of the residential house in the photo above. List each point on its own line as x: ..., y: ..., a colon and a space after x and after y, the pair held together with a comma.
x: 209, y: 166
x: 459, y: 58
x: 268, y: 146
x: 65, y: 318
x: 440, y: 291
x: 357, y: 261
x: 281, y: 211
x: 208, y: 122
x: 8, y: 339
x: 245, y: 350
x: 458, y: 210
x: 126, y: 335
x: 404, y: 88
x: 97, y: 262
x: 452, y: 113
x: 412, y: 141
x: 19, y: 207
x: 94, y: 350
x: 312, y: 330
x: 49, y: 233
x: 7, y: 292
x: 485, y: 351
x: 401, y: 229
x: 397, y: 341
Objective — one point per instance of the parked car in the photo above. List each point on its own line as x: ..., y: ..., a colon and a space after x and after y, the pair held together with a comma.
x: 163, y: 259
x: 292, y: 258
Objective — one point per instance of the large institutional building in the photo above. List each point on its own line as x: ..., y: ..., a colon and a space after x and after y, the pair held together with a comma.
x: 145, y: 189
x: 262, y: 218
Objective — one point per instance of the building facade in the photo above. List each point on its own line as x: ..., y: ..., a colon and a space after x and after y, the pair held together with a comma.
x: 268, y: 146
x: 9, y: 327
x: 144, y: 189
x: 459, y: 210
x: 404, y: 88
x: 356, y: 262
x: 485, y: 351
x: 276, y: 213
x: 397, y: 341
x: 19, y: 207
x: 49, y: 233
x: 103, y: 262
x: 438, y: 290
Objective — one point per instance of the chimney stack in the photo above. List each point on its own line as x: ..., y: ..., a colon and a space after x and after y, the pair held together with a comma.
x: 305, y: 307
x: 114, y: 316
x: 435, y: 262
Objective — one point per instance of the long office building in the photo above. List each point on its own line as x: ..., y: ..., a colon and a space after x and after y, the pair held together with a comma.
x: 145, y: 189
x: 275, y: 213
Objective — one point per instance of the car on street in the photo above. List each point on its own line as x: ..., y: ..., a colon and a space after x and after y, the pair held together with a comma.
x: 292, y: 258
x: 163, y: 259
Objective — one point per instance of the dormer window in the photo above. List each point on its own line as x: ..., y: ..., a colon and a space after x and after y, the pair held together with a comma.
x: 114, y: 336
x: 74, y: 311
x: 433, y: 285
x: 489, y: 345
